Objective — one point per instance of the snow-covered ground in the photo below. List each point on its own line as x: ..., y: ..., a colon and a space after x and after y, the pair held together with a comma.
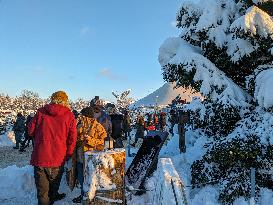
x: 17, y: 183
x: 18, y: 187
x: 195, y: 149
x: 16, y: 176
x: 7, y: 139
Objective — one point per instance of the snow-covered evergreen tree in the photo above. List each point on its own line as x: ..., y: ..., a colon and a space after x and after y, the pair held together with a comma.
x: 225, y: 52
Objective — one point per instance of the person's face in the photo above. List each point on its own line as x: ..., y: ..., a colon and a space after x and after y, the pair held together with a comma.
x: 97, y: 114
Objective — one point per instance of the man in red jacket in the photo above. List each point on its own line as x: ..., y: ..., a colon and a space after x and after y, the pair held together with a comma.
x: 54, y: 132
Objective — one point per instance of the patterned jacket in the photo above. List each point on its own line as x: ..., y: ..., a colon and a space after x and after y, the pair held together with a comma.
x: 91, y: 134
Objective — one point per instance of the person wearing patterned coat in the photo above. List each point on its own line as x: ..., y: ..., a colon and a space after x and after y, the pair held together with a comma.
x: 91, y: 136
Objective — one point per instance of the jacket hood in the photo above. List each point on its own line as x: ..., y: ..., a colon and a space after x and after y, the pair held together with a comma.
x: 21, y: 118
x: 55, y: 109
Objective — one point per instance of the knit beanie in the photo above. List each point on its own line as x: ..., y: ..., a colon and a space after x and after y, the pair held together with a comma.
x: 59, y: 97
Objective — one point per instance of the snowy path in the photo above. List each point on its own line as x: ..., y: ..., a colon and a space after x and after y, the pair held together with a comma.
x: 10, y: 156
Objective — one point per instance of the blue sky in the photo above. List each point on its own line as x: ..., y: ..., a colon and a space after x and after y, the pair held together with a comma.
x: 85, y: 47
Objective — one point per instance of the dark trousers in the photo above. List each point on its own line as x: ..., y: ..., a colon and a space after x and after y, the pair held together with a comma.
x: 47, y: 182
x: 182, y: 140
x: 80, y: 176
x: 126, y: 135
x: 18, y: 138
x: 118, y: 142
x: 26, y: 142
x: 139, y: 134
x: 171, y: 129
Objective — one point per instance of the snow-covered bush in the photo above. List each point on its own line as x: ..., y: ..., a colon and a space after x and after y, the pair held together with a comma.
x: 218, y: 119
x: 27, y: 102
x: 225, y: 52
x: 79, y: 104
x: 229, y: 164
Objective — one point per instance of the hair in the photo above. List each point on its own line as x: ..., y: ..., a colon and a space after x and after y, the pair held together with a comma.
x: 88, y: 112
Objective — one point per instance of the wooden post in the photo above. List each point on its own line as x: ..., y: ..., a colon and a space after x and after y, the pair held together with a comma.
x: 104, y: 177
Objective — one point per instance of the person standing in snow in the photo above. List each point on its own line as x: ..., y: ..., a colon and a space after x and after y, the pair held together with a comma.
x: 27, y: 140
x: 140, y: 128
x: 172, y: 120
x: 55, y: 134
x: 101, y: 116
x: 117, y: 128
x: 183, y: 118
x: 156, y: 121
x: 149, y: 117
x: 150, y: 126
x: 91, y: 136
x: 162, y: 121
x: 127, y: 124
x: 76, y: 114
x: 19, y: 129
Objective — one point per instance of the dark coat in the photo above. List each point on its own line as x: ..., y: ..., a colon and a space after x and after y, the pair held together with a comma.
x: 19, y: 125
x: 29, y: 118
x: 105, y: 120
x: 162, y: 120
x: 173, y: 117
x: 183, y: 117
x: 127, y: 123
x: 140, y: 126
x: 117, y: 125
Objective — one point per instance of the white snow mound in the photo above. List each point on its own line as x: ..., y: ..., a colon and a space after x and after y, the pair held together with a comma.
x: 263, y: 89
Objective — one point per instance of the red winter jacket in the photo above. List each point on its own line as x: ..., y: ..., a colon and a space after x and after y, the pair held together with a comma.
x: 55, y: 135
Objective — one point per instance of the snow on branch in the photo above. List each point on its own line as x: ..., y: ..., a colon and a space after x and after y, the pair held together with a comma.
x: 263, y: 88
x: 255, y: 21
x: 260, y: 1
x: 238, y: 48
x: 212, y: 17
x: 214, y: 82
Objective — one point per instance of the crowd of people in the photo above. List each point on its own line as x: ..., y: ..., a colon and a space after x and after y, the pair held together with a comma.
x: 149, y: 122
x: 20, y: 129
x: 59, y: 134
